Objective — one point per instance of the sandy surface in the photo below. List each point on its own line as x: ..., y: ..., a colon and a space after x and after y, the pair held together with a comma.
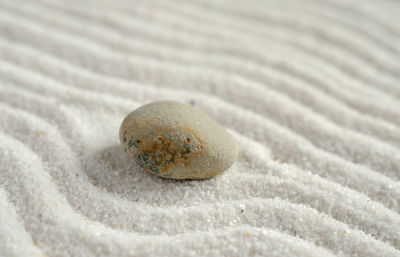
x: 309, y: 89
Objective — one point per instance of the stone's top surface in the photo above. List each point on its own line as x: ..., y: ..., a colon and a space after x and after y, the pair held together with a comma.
x: 174, y: 140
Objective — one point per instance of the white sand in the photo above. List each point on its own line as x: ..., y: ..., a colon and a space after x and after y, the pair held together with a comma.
x: 310, y: 90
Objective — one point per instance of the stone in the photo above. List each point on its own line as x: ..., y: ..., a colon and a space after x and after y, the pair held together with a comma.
x: 174, y: 140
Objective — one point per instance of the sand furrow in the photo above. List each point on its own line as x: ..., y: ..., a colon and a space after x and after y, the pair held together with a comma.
x: 130, y: 25
x: 338, y: 168
x: 308, y: 89
x: 318, y: 130
x: 291, y: 86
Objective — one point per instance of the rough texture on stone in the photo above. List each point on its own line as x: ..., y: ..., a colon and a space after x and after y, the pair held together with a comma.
x: 174, y: 140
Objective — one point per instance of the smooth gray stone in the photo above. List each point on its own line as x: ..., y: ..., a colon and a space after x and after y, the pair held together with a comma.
x: 174, y: 140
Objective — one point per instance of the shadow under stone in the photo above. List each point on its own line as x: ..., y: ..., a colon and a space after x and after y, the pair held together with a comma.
x: 112, y: 170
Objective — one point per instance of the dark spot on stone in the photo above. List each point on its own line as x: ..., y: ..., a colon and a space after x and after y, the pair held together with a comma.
x: 154, y: 169
x: 145, y: 156
x: 124, y: 136
x: 130, y: 143
x: 192, y: 102
x: 138, y: 157
x: 241, y: 211
x: 144, y: 160
x: 133, y: 142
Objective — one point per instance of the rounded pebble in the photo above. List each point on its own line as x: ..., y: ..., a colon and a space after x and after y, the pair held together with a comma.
x: 174, y: 140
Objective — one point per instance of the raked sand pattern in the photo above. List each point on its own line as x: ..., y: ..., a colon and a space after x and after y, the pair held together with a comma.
x: 309, y: 89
